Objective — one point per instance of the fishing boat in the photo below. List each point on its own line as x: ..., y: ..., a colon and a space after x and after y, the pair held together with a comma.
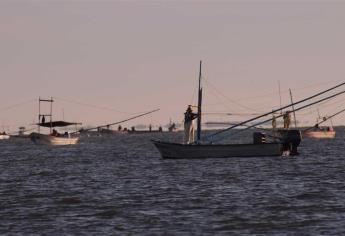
x: 22, y: 133
x: 259, y: 148
x: 318, y: 132
x: 54, y: 137
x: 284, y: 143
x: 4, y: 136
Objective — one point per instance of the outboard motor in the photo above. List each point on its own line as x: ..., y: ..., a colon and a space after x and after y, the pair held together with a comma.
x: 290, y: 139
x: 259, y: 138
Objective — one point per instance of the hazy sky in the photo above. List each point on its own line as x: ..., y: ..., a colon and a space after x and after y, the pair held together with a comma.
x: 134, y: 56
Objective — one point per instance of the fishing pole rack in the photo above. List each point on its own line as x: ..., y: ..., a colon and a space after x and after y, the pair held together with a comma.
x: 41, y: 115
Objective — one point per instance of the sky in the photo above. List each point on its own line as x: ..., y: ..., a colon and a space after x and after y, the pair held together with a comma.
x: 103, y: 61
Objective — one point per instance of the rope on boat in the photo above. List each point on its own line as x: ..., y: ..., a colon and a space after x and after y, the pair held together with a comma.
x: 227, y: 98
x: 96, y: 107
x: 300, y: 108
x: 312, y: 110
x: 17, y: 105
x: 118, y: 122
x: 208, y: 137
x: 269, y: 94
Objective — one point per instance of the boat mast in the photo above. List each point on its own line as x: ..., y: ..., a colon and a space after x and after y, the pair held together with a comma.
x: 280, y: 98
x: 50, y: 115
x: 199, y: 107
x: 293, y: 108
x: 39, y: 115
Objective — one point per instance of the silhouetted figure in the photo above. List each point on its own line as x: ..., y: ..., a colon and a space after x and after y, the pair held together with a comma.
x: 274, y: 122
x: 160, y: 129
x: 150, y: 127
x: 172, y: 127
x: 119, y: 128
x: 55, y: 133
x: 43, y: 119
x: 287, y: 119
x: 189, y: 116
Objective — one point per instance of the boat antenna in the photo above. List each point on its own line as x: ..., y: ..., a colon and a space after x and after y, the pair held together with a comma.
x: 199, y: 107
x: 280, y: 98
x: 318, y: 115
x: 293, y: 108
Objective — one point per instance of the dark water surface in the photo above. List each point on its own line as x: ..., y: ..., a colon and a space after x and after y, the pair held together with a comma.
x: 115, y: 185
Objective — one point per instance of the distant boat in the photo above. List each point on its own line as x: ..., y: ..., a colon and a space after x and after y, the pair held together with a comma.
x: 289, y: 140
x: 54, y: 137
x: 4, y: 136
x: 22, y: 133
x: 321, y: 132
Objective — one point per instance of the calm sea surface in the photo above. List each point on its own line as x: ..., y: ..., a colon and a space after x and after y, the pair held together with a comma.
x: 115, y: 185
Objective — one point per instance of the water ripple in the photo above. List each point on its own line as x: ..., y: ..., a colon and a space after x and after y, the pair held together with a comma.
x: 120, y: 185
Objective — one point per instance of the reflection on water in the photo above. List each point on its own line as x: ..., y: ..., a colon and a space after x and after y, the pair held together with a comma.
x: 120, y: 185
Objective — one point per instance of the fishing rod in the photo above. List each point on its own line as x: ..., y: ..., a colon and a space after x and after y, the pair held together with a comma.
x: 300, y: 108
x: 118, y: 122
x: 16, y: 105
x: 231, y: 114
x: 325, y: 119
x: 274, y: 111
x: 264, y: 129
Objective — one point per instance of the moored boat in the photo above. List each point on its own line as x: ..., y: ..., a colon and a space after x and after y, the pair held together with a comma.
x: 284, y: 143
x: 289, y: 141
x: 319, y: 133
x: 4, y: 136
x: 65, y: 139
x: 180, y: 150
x: 54, y: 137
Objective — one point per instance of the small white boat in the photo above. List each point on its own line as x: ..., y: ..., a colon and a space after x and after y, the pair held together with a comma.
x: 4, y: 136
x: 54, y: 137
x: 49, y: 139
x: 319, y: 133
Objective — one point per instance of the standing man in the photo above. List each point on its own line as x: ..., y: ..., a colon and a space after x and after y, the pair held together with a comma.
x: 274, y: 122
x: 287, y: 120
x: 189, y: 116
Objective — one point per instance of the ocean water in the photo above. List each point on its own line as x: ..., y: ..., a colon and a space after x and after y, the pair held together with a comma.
x: 119, y: 185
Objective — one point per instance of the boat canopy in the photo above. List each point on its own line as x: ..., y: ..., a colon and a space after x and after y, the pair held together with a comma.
x: 57, y: 124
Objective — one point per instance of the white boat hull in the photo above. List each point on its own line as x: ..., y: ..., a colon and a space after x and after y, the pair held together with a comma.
x: 4, y: 136
x: 53, y: 140
x: 177, y: 150
x: 318, y: 134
